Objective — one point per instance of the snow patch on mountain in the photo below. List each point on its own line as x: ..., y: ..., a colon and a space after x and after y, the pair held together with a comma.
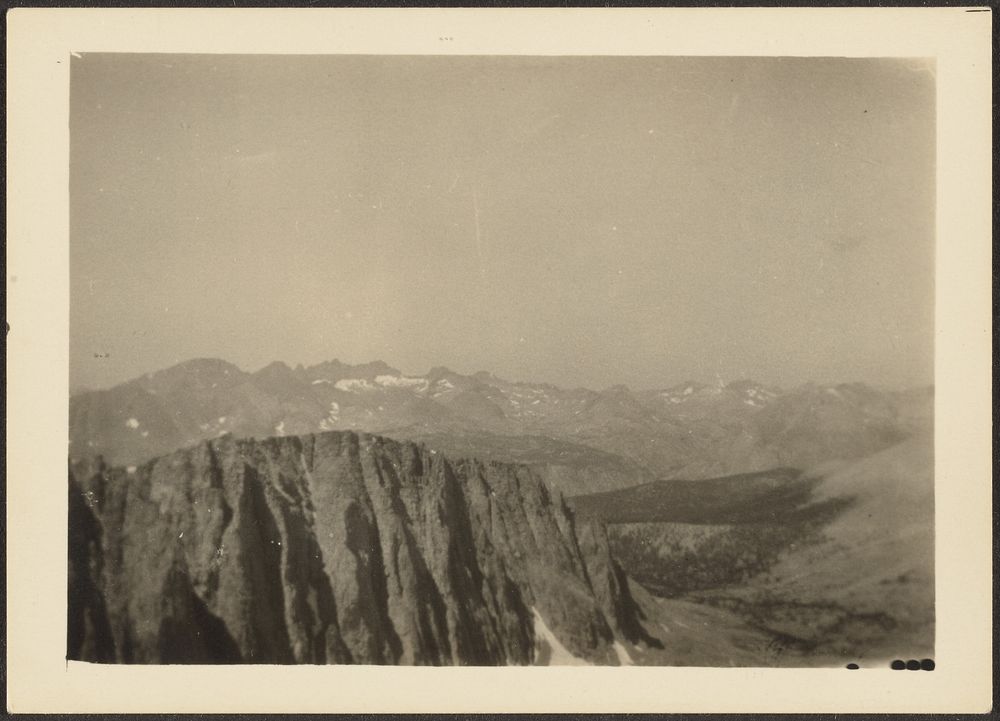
x: 623, y: 658
x: 390, y: 381
x: 353, y: 385
x: 328, y: 423
x: 559, y: 654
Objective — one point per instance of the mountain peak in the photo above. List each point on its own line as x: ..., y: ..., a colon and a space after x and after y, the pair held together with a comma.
x: 277, y: 377
x: 203, y: 365
x: 197, y: 371
x: 275, y: 367
x: 336, y: 369
x: 619, y: 389
x: 438, y: 372
x: 686, y: 388
x: 377, y: 368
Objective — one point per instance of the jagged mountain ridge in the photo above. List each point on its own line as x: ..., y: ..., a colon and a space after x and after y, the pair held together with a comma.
x: 335, y: 548
x: 690, y: 431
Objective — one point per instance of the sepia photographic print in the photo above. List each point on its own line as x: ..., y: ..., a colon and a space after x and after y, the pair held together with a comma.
x: 501, y: 360
x: 487, y: 359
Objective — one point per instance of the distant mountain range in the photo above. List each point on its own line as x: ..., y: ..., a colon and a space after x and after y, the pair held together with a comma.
x: 578, y: 440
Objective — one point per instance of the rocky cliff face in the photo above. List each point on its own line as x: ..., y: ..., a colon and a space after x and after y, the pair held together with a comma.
x: 333, y: 548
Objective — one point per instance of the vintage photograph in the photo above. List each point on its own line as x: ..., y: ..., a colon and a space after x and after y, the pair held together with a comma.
x: 492, y: 360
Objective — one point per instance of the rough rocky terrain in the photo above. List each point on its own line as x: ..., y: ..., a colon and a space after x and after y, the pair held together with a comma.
x: 336, y: 547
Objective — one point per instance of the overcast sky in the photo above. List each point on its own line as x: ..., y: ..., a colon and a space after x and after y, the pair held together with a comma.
x: 581, y: 221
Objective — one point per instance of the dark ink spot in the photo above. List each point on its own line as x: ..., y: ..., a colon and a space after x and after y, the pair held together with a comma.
x: 853, y: 666
x: 913, y: 665
x: 898, y: 665
x: 927, y: 664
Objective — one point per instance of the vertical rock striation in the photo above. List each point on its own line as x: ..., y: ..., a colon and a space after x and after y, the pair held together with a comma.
x: 333, y: 548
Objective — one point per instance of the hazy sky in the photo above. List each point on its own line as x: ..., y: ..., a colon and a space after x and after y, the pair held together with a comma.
x: 581, y: 221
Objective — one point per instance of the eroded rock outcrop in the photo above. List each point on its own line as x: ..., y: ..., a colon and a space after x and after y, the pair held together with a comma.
x: 333, y: 548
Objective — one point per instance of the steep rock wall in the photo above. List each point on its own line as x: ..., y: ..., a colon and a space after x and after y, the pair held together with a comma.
x: 332, y: 548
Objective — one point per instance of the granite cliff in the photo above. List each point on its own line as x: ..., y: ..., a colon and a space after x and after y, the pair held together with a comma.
x: 337, y: 547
